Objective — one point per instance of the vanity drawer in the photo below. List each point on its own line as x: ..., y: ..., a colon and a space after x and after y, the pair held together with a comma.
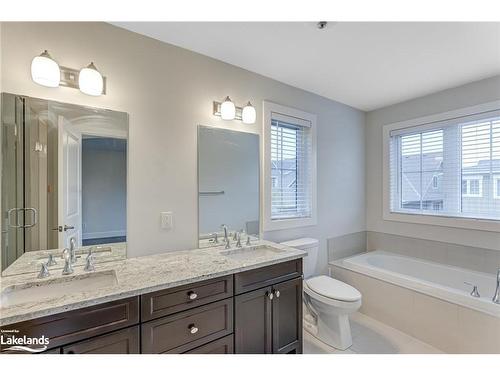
x: 265, y: 276
x: 224, y: 345
x: 71, y: 326
x: 124, y: 341
x: 187, y: 330
x: 169, y: 301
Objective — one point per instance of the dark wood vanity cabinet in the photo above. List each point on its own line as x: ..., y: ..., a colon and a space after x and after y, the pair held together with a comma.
x: 256, y: 311
x: 269, y: 320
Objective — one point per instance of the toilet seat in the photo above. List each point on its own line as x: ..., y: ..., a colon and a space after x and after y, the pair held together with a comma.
x: 331, y: 291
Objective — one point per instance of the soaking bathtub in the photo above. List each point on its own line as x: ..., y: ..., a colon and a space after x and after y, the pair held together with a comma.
x: 434, y: 279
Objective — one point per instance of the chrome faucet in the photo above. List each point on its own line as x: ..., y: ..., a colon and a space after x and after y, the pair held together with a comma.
x: 496, y: 297
x: 68, y: 268
x: 72, y: 247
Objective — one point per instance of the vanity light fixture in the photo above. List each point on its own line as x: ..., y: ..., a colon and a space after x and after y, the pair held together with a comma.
x: 45, y: 71
x: 248, y: 114
x: 228, y: 111
x: 90, y: 80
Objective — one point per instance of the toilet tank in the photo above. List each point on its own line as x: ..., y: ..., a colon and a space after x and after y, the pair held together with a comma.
x: 311, y: 246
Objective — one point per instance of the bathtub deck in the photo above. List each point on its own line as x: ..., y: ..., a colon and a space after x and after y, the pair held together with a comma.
x: 371, y: 337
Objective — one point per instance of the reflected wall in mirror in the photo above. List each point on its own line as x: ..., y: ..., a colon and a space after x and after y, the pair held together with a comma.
x: 64, y: 182
x: 228, y: 184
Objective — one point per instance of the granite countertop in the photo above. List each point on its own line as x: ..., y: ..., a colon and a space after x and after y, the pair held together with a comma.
x: 140, y: 275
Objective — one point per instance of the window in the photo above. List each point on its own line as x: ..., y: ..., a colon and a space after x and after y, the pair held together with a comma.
x: 447, y: 168
x: 435, y: 182
x: 472, y: 187
x: 496, y: 187
x: 290, y: 167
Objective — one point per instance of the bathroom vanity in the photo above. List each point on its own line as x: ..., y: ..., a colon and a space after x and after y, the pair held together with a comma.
x: 251, y: 302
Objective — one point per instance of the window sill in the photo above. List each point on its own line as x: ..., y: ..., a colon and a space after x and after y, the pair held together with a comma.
x: 444, y: 221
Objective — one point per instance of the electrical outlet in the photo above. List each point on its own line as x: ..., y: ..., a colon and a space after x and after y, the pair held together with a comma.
x: 167, y: 220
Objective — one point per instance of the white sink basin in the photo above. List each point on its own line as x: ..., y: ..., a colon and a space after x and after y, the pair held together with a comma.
x: 251, y: 252
x: 56, y: 288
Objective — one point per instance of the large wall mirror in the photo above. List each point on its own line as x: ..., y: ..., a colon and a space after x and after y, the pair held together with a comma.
x: 64, y: 182
x: 228, y: 185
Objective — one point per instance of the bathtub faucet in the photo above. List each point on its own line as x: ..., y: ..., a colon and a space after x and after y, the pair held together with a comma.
x: 496, y: 297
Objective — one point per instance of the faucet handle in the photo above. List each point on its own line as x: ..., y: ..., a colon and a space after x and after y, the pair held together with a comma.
x: 89, y: 264
x: 44, y: 271
x: 475, y: 291
x: 51, y: 260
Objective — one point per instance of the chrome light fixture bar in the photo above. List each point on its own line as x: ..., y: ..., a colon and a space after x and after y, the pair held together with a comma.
x: 224, y: 110
x: 70, y: 78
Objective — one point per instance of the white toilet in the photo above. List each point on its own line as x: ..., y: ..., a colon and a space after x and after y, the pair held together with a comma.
x: 327, y: 302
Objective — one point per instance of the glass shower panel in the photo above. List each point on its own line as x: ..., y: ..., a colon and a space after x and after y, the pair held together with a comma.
x: 12, y: 179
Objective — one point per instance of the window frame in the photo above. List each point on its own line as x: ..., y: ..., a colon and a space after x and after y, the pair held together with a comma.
x: 266, y: 182
x: 428, y: 218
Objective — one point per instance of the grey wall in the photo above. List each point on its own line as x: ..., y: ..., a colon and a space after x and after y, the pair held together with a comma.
x: 464, y: 96
x: 104, y: 187
x: 167, y: 92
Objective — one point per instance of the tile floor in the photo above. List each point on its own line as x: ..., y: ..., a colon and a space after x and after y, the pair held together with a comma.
x: 369, y: 336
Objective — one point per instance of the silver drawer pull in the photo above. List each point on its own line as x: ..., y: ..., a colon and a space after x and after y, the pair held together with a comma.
x: 192, y: 295
x: 193, y: 329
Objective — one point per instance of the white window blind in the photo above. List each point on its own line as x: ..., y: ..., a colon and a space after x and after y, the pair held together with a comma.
x: 449, y: 168
x: 291, y: 149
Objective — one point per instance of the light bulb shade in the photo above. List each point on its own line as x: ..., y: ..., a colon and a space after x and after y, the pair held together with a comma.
x: 227, y: 109
x: 90, y: 81
x: 45, y: 71
x: 248, y: 115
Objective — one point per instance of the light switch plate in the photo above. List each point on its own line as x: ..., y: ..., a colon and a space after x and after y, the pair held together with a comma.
x: 167, y: 220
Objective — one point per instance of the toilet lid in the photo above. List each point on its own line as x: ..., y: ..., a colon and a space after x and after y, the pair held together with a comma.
x: 334, y: 289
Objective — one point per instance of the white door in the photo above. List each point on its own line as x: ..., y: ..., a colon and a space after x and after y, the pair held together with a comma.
x: 69, y: 184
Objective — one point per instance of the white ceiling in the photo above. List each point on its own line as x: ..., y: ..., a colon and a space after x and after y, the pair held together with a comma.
x: 364, y: 65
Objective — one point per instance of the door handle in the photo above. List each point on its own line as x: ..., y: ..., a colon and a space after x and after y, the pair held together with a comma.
x: 68, y: 227
x: 35, y: 217
x: 9, y: 218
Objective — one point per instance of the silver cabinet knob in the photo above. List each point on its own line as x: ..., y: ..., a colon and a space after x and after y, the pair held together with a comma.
x: 193, y: 329
x: 270, y: 295
x: 192, y: 295
x: 277, y: 293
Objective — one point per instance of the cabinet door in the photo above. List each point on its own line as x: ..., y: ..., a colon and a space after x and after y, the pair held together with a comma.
x: 253, y: 333
x: 124, y: 341
x: 287, y: 317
